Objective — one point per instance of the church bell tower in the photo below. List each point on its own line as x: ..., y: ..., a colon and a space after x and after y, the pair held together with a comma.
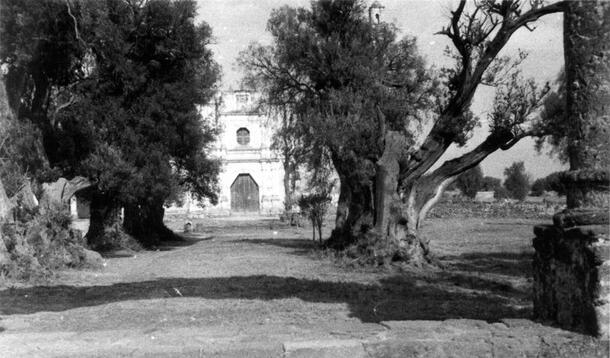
x: 375, y: 12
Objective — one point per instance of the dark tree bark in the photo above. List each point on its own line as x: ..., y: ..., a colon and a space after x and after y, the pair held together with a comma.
x: 355, y: 208
x: 343, y: 202
x: 396, y: 220
x: 402, y: 206
x: 145, y: 224
x: 104, y: 223
x: 15, y: 82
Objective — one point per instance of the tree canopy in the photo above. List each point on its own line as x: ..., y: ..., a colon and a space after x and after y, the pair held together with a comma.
x: 517, y: 181
x: 366, y: 99
x: 120, y: 84
x: 470, y: 182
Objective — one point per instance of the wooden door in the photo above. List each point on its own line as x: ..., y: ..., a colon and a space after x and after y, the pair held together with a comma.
x: 244, y: 194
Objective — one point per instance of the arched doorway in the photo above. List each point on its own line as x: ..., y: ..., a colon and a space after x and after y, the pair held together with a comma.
x: 244, y: 194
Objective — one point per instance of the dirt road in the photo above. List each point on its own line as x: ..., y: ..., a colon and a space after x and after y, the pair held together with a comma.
x: 257, y: 288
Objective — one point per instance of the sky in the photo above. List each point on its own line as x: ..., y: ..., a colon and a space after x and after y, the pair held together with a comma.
x: 237, y: 23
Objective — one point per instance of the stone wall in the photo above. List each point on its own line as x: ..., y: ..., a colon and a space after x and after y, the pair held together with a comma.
x: 572, y: 277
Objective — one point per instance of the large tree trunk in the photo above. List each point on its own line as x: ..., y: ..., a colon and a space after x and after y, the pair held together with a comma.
x: 343, y: 202
x: 145, y: 224
x: 355, y: 213
x: 400, y: 206
x: 105, y: 229
x: 397, y: 219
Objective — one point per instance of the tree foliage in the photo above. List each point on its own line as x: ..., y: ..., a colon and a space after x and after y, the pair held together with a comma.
x: 553, y: 120
x: 517, y: 181
x: 346, y: 82
x: 366, y: 100
x: 490, y: 183
x: 44, y: 60
x: 470, y: 182
x: 551, y: 182
x: 121, y: 82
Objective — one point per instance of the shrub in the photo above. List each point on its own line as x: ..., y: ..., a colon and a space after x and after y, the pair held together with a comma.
x: 315, y: 207
x: 38, y: 244
x: 501, y: 193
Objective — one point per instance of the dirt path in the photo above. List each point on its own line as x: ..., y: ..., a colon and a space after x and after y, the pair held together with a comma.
x: 252, y: 286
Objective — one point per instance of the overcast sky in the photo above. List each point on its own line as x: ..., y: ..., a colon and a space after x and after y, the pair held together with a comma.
x: 236, y: 23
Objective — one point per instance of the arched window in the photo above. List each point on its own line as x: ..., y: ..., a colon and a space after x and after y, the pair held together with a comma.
x: 243, y: 136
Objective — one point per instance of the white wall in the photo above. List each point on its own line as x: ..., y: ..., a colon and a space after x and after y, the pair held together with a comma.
x: 255, y: 158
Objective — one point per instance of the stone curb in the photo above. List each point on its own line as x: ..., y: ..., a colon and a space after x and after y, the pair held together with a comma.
x: 400, y: 339
x: 336, y: 348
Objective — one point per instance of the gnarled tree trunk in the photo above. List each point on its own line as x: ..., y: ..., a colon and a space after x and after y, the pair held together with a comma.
x: 401, y: 203
x: 355, y: 212
x: 145, y: 224
x: 105, y: 228
x: 400, y: 208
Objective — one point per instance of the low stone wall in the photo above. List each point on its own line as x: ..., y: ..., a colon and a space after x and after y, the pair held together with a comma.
x: 572, y: 277
x: 473, y: 209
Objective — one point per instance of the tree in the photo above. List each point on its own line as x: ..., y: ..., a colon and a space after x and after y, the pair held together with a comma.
x: 140, y: 104
x: 289, y: 147
x: 364, y: 97
x: 44, y: 59
x: 517, y: 182
x: 113, y: 87
x: 551, y: 182
x: 334, y: 106
x: 491, y: 183
x: 470, y: 182
x: 539, y: 186
x: 315, y: 206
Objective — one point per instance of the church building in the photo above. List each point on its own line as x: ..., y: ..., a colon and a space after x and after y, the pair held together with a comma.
x: 251, y: 177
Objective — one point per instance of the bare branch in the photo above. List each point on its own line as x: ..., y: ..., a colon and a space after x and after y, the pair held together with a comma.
x: 76, y: 32
x: 537, y: 12
x: 531, y: 29
x: 62, y: 106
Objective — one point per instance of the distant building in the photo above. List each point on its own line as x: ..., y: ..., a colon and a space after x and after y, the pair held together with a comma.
x: 251, y: 178
x: 485, y: 197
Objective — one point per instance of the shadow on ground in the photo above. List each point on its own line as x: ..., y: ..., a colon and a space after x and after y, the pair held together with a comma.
x: 183, y: 240
x: 298, y: 246
x: 397, y: 297
x: 504, y: 263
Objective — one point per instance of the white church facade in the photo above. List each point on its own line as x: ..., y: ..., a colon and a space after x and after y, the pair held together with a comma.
x: 251, y: 177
